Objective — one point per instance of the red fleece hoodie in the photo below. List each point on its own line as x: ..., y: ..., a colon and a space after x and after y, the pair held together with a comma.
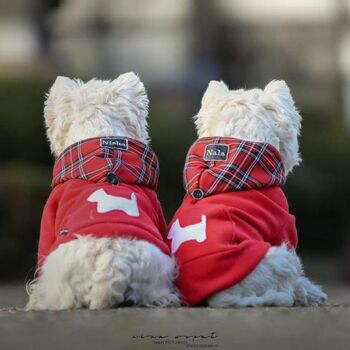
x: 104, y: 187
x: 234, y: 211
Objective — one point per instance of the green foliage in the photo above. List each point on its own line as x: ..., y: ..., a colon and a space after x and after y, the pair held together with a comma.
x: 319, y: 190
x: 171, y: 137
x: 21, y: 121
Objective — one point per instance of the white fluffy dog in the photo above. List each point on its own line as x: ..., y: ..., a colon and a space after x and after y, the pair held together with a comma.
x: 260, y: 117
x: 103, y: 271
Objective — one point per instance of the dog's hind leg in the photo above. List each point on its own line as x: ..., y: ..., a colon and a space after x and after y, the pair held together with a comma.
x: 235, y: 299
x: 100, y: 273
x: 86, y: 272
x: 308, y: 294
x: 272, y: 282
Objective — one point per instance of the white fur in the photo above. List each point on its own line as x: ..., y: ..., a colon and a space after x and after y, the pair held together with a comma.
x: 277, y: 281
x: 100, y: 272
x: 267, y: 115
x: 75, y: 111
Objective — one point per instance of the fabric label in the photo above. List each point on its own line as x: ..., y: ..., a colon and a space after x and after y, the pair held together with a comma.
x: 216, y: 152
x: 114, y: 143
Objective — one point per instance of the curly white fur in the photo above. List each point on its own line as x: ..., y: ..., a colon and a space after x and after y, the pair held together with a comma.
x: 267, y: 115
x: 277, y: 281
x: 75, y: 111
x: 100, y: 272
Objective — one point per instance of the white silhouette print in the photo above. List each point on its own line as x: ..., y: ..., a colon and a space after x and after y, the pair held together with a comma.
x: 106, y: 203
x: 180, y: 235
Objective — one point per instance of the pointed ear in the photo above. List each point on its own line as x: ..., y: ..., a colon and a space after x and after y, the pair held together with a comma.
x: 215, y: 89
x: 127, y: 78
x: 276, y: 98
x: 278, y: 90
x: 62, y: 85
x: 58, y: 107
x: 59, y: 97
x: 130, y: 86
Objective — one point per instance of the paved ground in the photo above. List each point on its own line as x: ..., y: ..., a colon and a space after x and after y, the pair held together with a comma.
x: 202, y: 328
x: 282, y: 328
x: 130, y: 328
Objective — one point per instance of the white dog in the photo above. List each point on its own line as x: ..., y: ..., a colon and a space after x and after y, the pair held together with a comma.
x: 101, y: 241
x: 248, y: 142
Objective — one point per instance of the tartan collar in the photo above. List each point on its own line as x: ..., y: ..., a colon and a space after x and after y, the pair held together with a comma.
x: 223, y: 164
x: 112, y: 159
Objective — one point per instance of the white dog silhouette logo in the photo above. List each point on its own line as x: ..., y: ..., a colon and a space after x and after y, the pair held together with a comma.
x: 180, y: 235
x: 107, y: 202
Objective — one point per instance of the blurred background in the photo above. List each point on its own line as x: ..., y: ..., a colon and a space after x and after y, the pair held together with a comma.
x: 177, y: 47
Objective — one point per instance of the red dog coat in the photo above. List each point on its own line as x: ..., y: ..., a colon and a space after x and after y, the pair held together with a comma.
x: 104, y: 187
x: 233, y: 212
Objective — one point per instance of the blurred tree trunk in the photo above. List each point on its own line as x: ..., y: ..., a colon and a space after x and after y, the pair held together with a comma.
x: 206, y: 24
x: 216, y: 49
x: 41, y: 10
x: 341, y: 28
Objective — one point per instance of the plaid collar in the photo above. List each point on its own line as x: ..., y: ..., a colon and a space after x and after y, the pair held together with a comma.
x: 223, y: 164
x: 112, y: 159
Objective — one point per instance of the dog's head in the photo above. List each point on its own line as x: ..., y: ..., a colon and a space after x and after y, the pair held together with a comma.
x: 75, y: 110
x: 267, y: 115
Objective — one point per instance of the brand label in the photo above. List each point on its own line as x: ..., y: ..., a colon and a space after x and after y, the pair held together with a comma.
x: 215, y: 152
x: 114, y: 143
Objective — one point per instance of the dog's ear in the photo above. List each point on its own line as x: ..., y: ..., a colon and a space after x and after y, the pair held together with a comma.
x: 58, y: 100
x: 277, y: 99
x: 58, y: 107
x: 215, y: 90
x: 276, y: 95
x: 129, y: 86
x: 63, y: 86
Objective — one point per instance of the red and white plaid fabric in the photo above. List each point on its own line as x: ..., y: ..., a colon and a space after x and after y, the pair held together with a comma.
x: 247, y: 165
x: 92, y: 160
x: 86, y: 174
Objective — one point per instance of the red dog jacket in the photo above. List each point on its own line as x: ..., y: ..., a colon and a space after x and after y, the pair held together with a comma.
x: 233, y: 212
x: 104, y: 187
